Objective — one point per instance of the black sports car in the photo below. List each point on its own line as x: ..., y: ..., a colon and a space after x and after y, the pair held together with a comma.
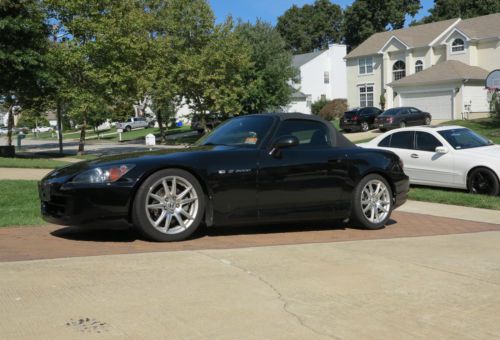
x: 261, y: 168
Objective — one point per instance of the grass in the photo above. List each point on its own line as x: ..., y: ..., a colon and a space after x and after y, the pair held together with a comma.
x: 19, y: 203
x: 487, y: 127
x: 454, y: 197
x: 36, y: 163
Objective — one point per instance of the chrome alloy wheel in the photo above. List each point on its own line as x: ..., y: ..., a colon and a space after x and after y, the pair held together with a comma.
x: 375, y: 201
x: 172, y: 205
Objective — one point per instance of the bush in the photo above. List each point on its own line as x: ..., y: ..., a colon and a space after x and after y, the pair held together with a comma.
x: 334, y: 109
x: 318, y: 105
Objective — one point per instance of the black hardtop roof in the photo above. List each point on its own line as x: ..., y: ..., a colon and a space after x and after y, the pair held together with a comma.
x: 337, y: 138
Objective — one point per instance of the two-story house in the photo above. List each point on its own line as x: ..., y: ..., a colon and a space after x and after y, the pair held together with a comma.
x: 438, y: 67
x: 322, y: 74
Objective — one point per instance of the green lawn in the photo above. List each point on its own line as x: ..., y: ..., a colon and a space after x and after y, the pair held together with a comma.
x: 455, y: 197
x: 487, y: 127
x: 37, y: 163
x: 19, y: 203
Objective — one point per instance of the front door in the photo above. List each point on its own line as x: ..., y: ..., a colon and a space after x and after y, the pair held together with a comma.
x: 304, y: 182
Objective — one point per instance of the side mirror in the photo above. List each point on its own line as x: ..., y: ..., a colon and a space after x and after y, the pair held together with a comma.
x: 282, y: 143
x: 441, y: 150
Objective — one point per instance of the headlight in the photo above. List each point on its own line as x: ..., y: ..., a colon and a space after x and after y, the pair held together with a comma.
x: 105, y: 174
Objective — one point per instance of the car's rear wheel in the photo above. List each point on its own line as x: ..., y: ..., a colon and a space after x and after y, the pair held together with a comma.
x: 483, y: 181
x: 365, y: 127
x: 402, y: 124
x: 372, y: 202
x: 169, y: 206
x: 346, y: 130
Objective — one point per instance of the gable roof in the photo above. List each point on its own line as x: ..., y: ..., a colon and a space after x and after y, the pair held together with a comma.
x: 415, y: 36
x: 301, y: 59
x: 486, y: 26
x: 451, y: 70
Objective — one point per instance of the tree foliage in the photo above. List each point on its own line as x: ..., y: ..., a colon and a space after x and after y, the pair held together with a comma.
x: 448, y: 9
x: 271, y: 69
x: 334, y: 109
x: 318, y: 105
x: 311, y: 27
x: 366, y: 17
x: 23, y: 44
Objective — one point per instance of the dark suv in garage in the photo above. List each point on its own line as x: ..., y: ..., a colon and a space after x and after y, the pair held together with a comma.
x: 401, y: 117
x: 361, y: 118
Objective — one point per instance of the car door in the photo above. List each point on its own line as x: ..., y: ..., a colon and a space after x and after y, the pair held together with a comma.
x: 303, y: 182
x: 431, y: 168
x: 402, y: 144
x: 417, y: 116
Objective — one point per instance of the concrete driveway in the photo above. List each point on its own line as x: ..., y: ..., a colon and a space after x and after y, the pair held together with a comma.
x: 284, y: 283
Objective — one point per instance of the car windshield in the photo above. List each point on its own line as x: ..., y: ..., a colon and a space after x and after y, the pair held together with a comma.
x: 245, y: 131
x: 464, y: 138
x: 390, y: 112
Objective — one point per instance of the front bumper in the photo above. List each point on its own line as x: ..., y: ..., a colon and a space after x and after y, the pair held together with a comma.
x: 84, y: 205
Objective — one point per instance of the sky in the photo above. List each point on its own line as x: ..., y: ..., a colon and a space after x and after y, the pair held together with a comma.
x: 270, y: 10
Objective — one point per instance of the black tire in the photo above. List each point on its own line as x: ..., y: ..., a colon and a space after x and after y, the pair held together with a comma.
x: 139, y: 210
x: 382, y: 130
x: 128, y: 128
x: 347, y: 130
x: 483, y: 181
x: 358, y: 218
x: 427, y: 121
x: 402, y: 124
x: 364, y: 126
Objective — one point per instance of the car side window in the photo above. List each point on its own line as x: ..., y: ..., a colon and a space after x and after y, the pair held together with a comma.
x: 414, y: 110
x: 402, y: 140
x: 310, y: 134
x: 386, y: 142
x: 426, y: 142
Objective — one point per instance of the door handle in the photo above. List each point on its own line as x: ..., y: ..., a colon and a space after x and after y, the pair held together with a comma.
x: 414, y: 155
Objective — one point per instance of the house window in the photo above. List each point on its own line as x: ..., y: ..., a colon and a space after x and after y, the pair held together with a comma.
x: 457, y: 45
x: 366, y: 65
x: 323, y: 97
x: 398, y: 70
x: 326, y: 77
x: 366, y: 95
x: 419, y: 66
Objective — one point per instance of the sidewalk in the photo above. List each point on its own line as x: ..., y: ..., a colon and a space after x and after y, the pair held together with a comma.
x: 23, y: 173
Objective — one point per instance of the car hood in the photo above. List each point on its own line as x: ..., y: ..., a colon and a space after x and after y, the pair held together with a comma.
x: 491, y: 152
x: 134, y: 157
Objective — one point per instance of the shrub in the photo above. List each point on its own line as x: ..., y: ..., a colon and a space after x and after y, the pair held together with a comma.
x: 334, y: 109
x: 318, y: 105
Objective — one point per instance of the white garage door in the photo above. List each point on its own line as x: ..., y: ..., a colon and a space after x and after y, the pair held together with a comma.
x: 438, y: 104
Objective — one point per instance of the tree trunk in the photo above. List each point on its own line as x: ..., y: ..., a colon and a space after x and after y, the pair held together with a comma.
x: 163, y: 136
x: 10, y: 124
x: 59, y: 126
x: 81, y: 143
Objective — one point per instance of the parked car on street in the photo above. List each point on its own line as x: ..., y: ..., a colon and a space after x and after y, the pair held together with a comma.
x: 401, y: 117
x: 361, y: 118
x: 134, y: 123
x: 262, y: 168
x: 445, y: 156
x: 40, y: 129
x: 211, y: 122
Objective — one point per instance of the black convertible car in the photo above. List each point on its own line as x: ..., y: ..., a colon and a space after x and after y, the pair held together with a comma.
x: 262, y: 168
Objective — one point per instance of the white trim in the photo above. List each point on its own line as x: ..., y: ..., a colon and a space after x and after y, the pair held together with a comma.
x: 439, y: 37
x: 452, y: 32
x: 372, y: 64
x: 388, y: 41
x: 443, y: 89
x: 465, y: 45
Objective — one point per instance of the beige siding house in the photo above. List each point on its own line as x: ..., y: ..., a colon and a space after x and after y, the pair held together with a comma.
x: 439, y: 67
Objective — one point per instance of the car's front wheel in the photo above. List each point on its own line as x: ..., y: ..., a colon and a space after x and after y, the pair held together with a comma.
x: 372, y: 202
x: 483, y: 181
x: 427, y: 121
x: 169, y: 206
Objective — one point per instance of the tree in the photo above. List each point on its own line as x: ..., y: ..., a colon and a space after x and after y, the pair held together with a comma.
x: 334, y: 109
x: 311, y: 27
x: 366, y: 17
x: 449, y: 9
x: 271, y: 68
x: 23, y: 44
x: 318, y: 105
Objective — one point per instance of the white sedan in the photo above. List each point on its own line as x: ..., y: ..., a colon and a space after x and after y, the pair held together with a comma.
x: 445, y: 156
